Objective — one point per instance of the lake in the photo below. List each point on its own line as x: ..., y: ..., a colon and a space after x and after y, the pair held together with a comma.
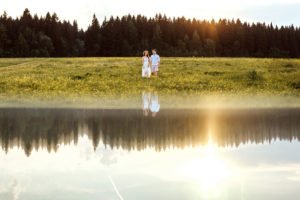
x: 155, y: 153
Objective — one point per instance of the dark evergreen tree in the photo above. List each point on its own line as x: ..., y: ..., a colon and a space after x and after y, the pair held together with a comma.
x: 21, y: 46
x: 93, y: 38
x: 195, y: 44
x: 3, y: 39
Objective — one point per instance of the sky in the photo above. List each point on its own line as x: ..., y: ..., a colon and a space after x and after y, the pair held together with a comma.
x: 279, y: 12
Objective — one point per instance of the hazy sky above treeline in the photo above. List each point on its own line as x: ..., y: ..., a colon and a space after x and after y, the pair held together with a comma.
x: 280, y: 12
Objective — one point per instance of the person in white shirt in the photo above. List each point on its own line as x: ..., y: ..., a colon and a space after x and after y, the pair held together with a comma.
x: 155, y: 62
x: 154, y: 104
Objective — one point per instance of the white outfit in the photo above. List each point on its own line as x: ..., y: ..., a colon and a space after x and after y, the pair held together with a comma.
x: 146, y: 71
x: 154, y: 105
x: 155, y: 60
x: 146, y: 100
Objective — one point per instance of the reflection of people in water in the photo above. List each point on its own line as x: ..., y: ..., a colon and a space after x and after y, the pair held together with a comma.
x: 150, y: 103
x: 146, y: 102
x: 154, y: 104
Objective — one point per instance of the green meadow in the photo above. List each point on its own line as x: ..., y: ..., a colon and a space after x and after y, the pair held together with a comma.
x: 48, y: 78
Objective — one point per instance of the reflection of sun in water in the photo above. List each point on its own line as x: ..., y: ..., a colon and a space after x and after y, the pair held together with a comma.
x: 208, y: 170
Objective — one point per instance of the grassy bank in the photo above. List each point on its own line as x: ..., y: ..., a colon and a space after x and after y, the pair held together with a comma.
x: 99, y: 77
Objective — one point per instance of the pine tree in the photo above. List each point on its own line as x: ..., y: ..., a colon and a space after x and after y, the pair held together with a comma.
x: 21, y: 46
x: 156, y: 40
x: 195, y: 45
x: 3, y: 40
x: 93, y: 38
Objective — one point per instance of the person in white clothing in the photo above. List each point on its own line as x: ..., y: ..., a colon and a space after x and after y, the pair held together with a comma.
x: 155, y: 62
x: 146, y: 102
x: 154, y: 104
x: 146, y: 71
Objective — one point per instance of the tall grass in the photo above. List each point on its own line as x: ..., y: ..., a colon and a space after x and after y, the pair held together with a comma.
x: 98, y: 77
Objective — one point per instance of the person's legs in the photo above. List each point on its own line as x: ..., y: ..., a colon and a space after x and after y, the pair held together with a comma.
x: 154, y: 70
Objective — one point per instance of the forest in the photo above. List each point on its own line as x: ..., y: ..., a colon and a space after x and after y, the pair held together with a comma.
x: 48, y: 36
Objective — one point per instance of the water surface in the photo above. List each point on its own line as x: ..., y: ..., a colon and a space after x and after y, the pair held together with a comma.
x: 135, y: 154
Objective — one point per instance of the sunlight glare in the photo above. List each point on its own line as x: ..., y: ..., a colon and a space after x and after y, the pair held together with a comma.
x: 209, y: 169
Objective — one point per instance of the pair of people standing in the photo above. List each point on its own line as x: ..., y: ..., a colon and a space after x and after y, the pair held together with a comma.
x: 150, y: 64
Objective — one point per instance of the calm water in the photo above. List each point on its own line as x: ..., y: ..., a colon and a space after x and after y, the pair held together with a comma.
x: 149, y: 154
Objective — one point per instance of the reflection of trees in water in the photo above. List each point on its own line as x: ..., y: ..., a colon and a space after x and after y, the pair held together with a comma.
x: 257, y: 126
x: 45, y: 128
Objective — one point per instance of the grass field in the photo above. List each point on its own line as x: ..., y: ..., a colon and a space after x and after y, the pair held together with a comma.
x: 98, y: 77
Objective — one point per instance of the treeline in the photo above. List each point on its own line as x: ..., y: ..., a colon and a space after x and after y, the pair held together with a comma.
x: 30, y: 129
x: 34, y: 36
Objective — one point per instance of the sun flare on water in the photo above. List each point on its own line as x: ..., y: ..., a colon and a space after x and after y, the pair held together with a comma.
x: 209, y: 170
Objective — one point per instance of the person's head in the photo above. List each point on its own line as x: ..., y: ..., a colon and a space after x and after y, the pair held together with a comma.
x: 154, y: 51
x: 146, y: 53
